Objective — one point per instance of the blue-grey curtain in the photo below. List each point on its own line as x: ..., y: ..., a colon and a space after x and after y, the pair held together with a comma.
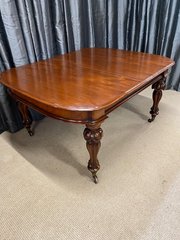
x: 31, y: 30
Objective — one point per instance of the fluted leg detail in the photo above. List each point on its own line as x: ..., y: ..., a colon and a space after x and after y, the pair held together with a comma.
x: 157, y: 95
x: 26, y: 117
x: 93, y: 134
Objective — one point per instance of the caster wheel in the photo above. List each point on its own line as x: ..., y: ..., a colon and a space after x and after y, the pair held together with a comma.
x: 95, y: 179
x: 30, y: 133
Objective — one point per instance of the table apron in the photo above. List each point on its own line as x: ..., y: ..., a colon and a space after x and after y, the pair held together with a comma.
x: 135, y: 92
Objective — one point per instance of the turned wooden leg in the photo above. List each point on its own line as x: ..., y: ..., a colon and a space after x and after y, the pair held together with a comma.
x: 157, y: 94
x: 26, y: 117
x: 93, y: 134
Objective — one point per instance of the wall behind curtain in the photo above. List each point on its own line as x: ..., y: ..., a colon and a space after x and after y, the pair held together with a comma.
x: 31, y: 30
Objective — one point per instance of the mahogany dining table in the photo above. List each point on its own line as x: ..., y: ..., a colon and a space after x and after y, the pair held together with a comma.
x: 85, y: 86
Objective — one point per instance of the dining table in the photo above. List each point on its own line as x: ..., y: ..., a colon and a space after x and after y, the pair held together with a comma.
x: 84, y: 86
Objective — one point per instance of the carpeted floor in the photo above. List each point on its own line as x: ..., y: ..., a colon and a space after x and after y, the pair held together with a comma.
x: 46, y: 192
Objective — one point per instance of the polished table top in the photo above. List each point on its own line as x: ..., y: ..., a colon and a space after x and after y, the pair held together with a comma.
x: 89, y: 80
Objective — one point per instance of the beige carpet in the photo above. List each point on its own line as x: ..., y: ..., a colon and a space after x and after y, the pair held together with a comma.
x: 47, y: 193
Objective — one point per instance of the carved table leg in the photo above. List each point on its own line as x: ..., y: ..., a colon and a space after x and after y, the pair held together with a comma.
x: 93, y: 134
x: 157, y: 94
x: 26, y: 118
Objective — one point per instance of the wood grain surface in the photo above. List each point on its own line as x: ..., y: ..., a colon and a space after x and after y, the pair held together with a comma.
x: 82, y: 85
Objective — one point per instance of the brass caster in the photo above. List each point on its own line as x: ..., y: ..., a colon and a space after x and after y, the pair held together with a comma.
x: 150, y: 120
x: 95, y: 179
x: 30, y: 133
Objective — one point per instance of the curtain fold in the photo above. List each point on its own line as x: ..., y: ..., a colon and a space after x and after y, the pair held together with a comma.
x: 39, y: 29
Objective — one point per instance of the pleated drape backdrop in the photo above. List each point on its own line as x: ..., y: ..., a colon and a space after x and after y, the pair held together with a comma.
x: 31, y: 30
